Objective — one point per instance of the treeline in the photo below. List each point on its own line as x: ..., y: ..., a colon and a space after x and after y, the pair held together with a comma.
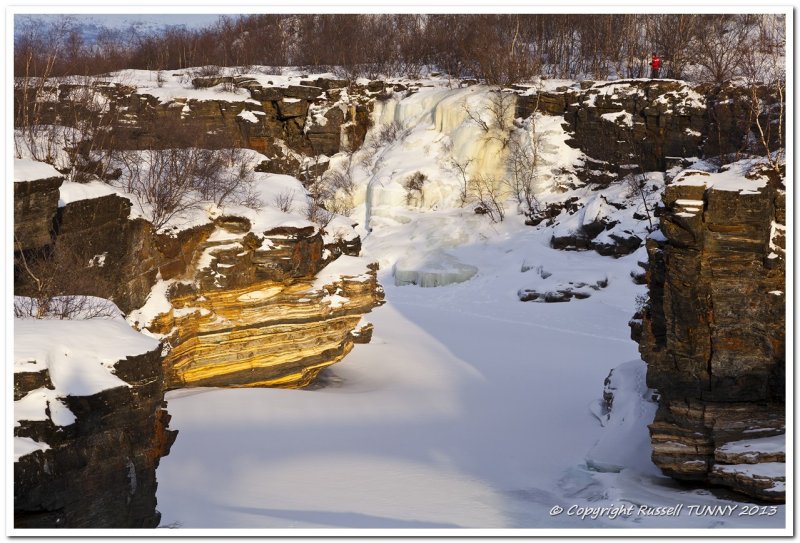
x: 494, y: 48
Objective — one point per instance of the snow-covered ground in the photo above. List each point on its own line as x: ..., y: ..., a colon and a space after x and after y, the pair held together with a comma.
x: 469, y: 408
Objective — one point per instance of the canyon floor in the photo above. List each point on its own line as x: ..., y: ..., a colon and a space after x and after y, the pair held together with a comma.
x: 469, y: 408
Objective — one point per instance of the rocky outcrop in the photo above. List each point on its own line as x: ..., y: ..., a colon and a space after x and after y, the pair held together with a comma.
x: 320, y: 117
x: 627, y: 125
x: 35, y: 206
x: 561, y: 292
x: 264, y: 311
x: 100, y: 470
x: 240, y: 307
x: 713, y: 332
x: 244, y: 308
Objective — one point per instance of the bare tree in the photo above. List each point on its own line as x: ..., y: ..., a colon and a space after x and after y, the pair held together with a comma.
x: 672, y: 37
x: 464, y: 187
x: 524, y: 170
x: 637, y: 186
x: 414, y: 185
x: 764, y: 71
x: 720, y: 44
x: 489, y: 196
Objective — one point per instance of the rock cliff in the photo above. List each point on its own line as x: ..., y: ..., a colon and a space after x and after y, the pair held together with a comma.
x: 235, y: 304
x: 264, y: 311
x: 85, y: 453
x: 713, y: 332
x: 285, y: 123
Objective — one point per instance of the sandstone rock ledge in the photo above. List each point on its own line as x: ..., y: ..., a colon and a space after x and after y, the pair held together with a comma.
x: 264, y: 310
x: 713, y: 333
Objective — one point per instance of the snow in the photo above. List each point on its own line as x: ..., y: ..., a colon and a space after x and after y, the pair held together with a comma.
x: 765, y: 445
x: 36, y: 404
x: 72, y: 192
x: 26, y: 445
x: 353, y: 267
x: 764, y: 470
x: 267, y: 189
x: 732, y: 179
x: 469, y: 408
x: 155, y: 304
x: 47, y: 142
x: 335, y: 301
x: 177, y: 84
x: 248, y: 116
x: 438, y: 132
x: 632, y: 409
x: 619, y: 117
x: 79, y: 356
x: 207, y: 257
x: 26, y: 169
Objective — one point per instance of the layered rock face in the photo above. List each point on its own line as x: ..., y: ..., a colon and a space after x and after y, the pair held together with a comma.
x: 264, y: 311
x: 232, y: 292
x: 319, y: 117
x: 98, y: 471
x: 235, y: 306
x: 627, y: 125
x: 713, y: 334
x: 35, y: 205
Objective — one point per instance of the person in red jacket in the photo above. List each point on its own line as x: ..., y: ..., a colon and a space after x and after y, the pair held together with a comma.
x: 655, y: 65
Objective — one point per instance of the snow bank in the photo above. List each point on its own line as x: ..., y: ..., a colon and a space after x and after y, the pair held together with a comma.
x: 754, y: 447
x: 354, y: 267
x: 732, y: 179
x: 79, y: 356
x: 26, y: 445
x: 72, y: 192
x: 26, y: 169
x: 626, y: 422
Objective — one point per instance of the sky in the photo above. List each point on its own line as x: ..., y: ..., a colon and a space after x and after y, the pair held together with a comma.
x: 91, y: 23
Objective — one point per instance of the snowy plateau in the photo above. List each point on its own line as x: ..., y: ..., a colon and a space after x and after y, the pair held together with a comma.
x: 470, y: 408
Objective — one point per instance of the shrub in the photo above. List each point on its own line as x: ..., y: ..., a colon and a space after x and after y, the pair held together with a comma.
x: 413, y: 185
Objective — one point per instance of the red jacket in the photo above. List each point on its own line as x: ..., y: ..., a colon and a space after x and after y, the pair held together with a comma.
x: 655, y: 63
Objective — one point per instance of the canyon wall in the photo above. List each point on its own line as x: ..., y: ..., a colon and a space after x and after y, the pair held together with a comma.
x: 231, y: 304
x: 97, y: 468
x: 316, y: 117
x: 713, y: 332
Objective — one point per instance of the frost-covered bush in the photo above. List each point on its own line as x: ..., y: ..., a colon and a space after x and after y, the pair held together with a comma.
x: 168, y: 182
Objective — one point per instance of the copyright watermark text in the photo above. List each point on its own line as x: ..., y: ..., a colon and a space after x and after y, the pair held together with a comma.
x: 611, y: 512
